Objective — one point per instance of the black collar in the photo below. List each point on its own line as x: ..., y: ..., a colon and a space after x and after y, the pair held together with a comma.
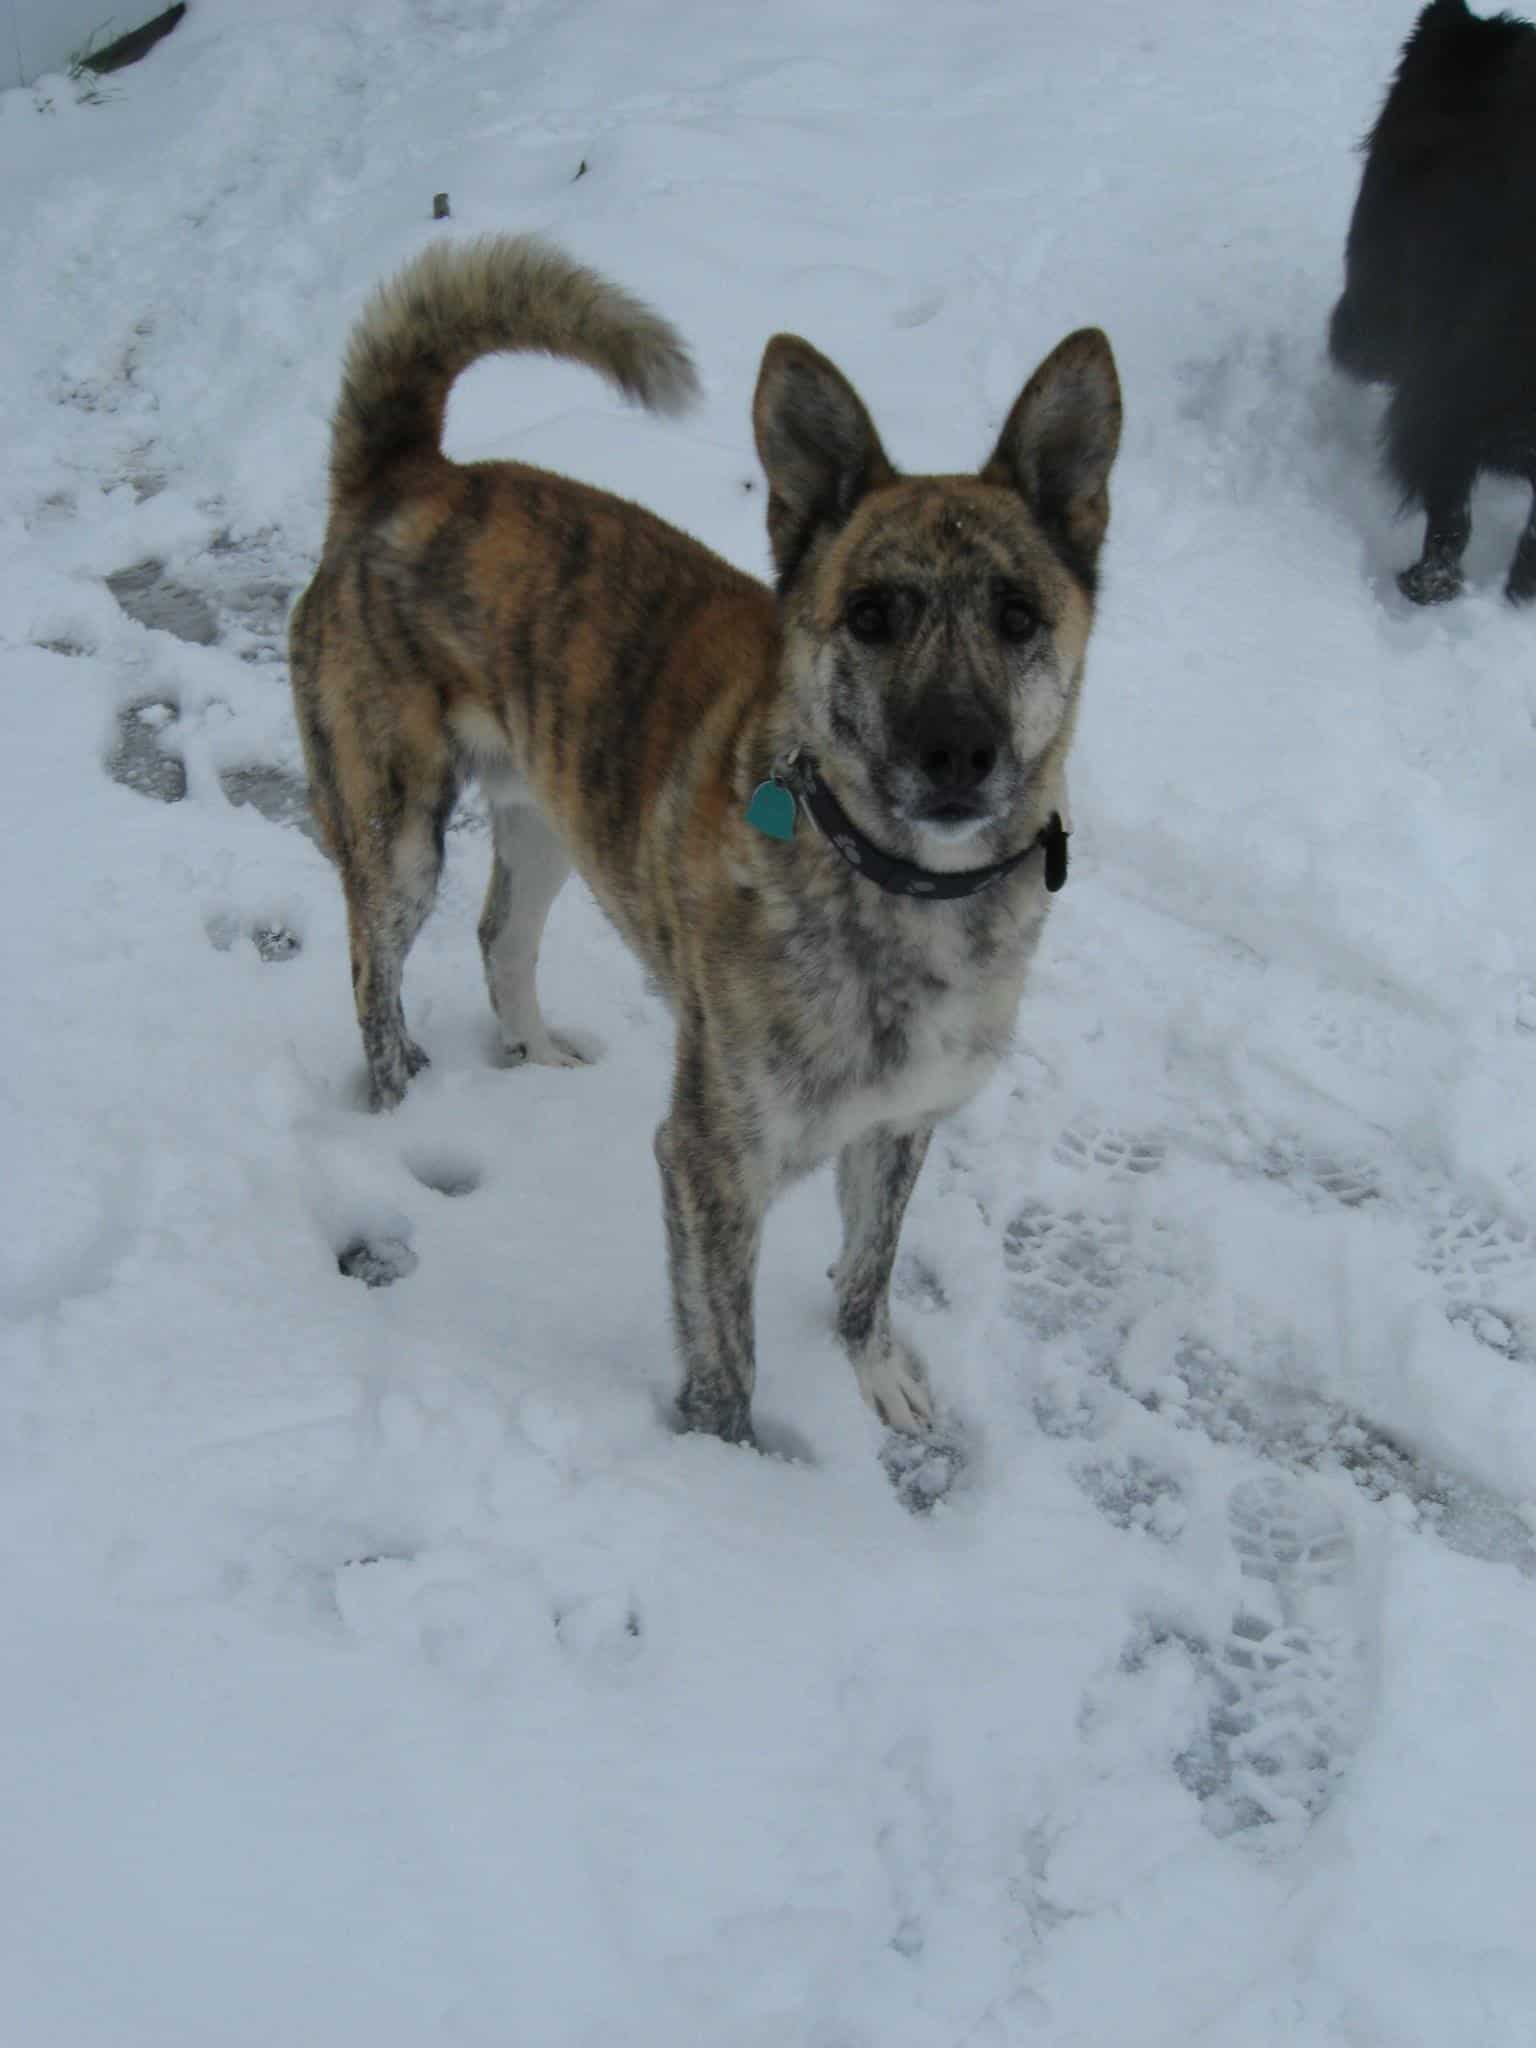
x: 905, y: 877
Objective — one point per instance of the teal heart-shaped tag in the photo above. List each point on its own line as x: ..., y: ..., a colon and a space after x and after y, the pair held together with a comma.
x: 772, y: 810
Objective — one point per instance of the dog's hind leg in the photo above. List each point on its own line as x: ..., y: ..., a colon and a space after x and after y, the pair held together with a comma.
x: 1521, y: 587
x: 715, y: 1191
x: 875, y: 1177
x: 365, y: 784
x: 390, y: 873
x: 528, y: 866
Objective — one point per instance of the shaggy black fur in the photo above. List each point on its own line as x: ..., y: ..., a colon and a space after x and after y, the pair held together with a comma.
x: 1440, y: 279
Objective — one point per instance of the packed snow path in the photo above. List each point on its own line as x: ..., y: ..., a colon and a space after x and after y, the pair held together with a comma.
x: 379, y: 1665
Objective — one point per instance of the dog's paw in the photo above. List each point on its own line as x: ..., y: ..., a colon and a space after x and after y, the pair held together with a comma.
x: 1431, y: 582
x: 542, y: 1049
x: 895, y: 1385
x: 389, y: 1079
x: 732, y: 1423
x: 386, y: 1091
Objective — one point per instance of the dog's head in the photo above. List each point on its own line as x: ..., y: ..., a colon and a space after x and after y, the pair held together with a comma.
x: 935, y: 626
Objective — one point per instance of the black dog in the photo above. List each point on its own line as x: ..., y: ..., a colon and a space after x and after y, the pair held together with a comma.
x: 1440, y: 280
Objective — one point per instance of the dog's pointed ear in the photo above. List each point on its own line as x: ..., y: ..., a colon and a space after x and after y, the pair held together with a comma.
x: 1059, y: 443
x: 818, y: 447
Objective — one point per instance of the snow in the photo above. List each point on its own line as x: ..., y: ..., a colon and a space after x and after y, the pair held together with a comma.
x: 379, y: 1663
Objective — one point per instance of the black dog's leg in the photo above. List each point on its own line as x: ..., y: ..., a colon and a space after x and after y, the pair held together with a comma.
x: 1435, y: 577
x: 1521, y: 587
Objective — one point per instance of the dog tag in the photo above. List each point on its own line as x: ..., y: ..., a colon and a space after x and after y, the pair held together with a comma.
x: 772, y: 810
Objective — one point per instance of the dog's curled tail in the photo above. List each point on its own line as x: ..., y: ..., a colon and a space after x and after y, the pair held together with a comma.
x: 458, y: 301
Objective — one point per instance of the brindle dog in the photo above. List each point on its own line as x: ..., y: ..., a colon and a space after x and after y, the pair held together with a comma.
x: 826, y: 817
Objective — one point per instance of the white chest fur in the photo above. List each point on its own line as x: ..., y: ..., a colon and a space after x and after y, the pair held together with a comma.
x: 952, y: 1042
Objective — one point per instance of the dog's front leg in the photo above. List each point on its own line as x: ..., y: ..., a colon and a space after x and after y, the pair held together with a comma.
x: 875, y: 1176
x: 1436, y: 577
x: 715, y: 1191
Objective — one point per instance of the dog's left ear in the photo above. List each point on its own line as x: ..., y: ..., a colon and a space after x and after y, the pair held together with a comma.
x: 818, y: 447
x: 1059, y: 443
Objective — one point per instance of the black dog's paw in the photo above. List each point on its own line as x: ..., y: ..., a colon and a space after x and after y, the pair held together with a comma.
x: 1429, y: 582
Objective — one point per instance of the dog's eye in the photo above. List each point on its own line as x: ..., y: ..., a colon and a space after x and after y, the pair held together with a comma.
x: 869, y: 618
x: 1017, y: 619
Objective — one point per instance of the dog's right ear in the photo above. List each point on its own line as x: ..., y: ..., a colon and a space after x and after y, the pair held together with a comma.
x: 818, y: 447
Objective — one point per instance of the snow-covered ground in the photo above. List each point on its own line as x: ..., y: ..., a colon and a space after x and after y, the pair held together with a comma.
x: 378, y: 1665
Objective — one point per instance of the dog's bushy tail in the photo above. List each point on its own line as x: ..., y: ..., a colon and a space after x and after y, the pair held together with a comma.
x: 462, y: 300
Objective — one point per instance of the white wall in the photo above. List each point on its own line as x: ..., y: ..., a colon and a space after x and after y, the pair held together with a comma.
x: 41, y: 35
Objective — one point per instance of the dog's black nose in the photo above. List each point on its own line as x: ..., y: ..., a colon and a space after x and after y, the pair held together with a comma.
x: 955, y: 748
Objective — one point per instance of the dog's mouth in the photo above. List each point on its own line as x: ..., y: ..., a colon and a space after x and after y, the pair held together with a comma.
x: 954, y: 820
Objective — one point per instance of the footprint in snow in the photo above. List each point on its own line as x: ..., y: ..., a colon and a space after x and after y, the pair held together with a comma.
x: 1304, y: 1431
x: 922, y: 1469
x: 1068, y: 1269
x: 153, y: 598
x: 1122, y: 1155
x: 445, y: 1173
x: 250, y: 610
x: 142, y: 757
x: 439, y: 1609
x: 601, y: 1635
x: 1073, y: 1269
x: 1135, y: 1493
x: 377, y: 1261
x: 1322, y: 1178
x: 1486, y: 1263
x: 1483, y: 1258
x: 1290, y: 1673
x: 278, y: 794
x: 273, y: 939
